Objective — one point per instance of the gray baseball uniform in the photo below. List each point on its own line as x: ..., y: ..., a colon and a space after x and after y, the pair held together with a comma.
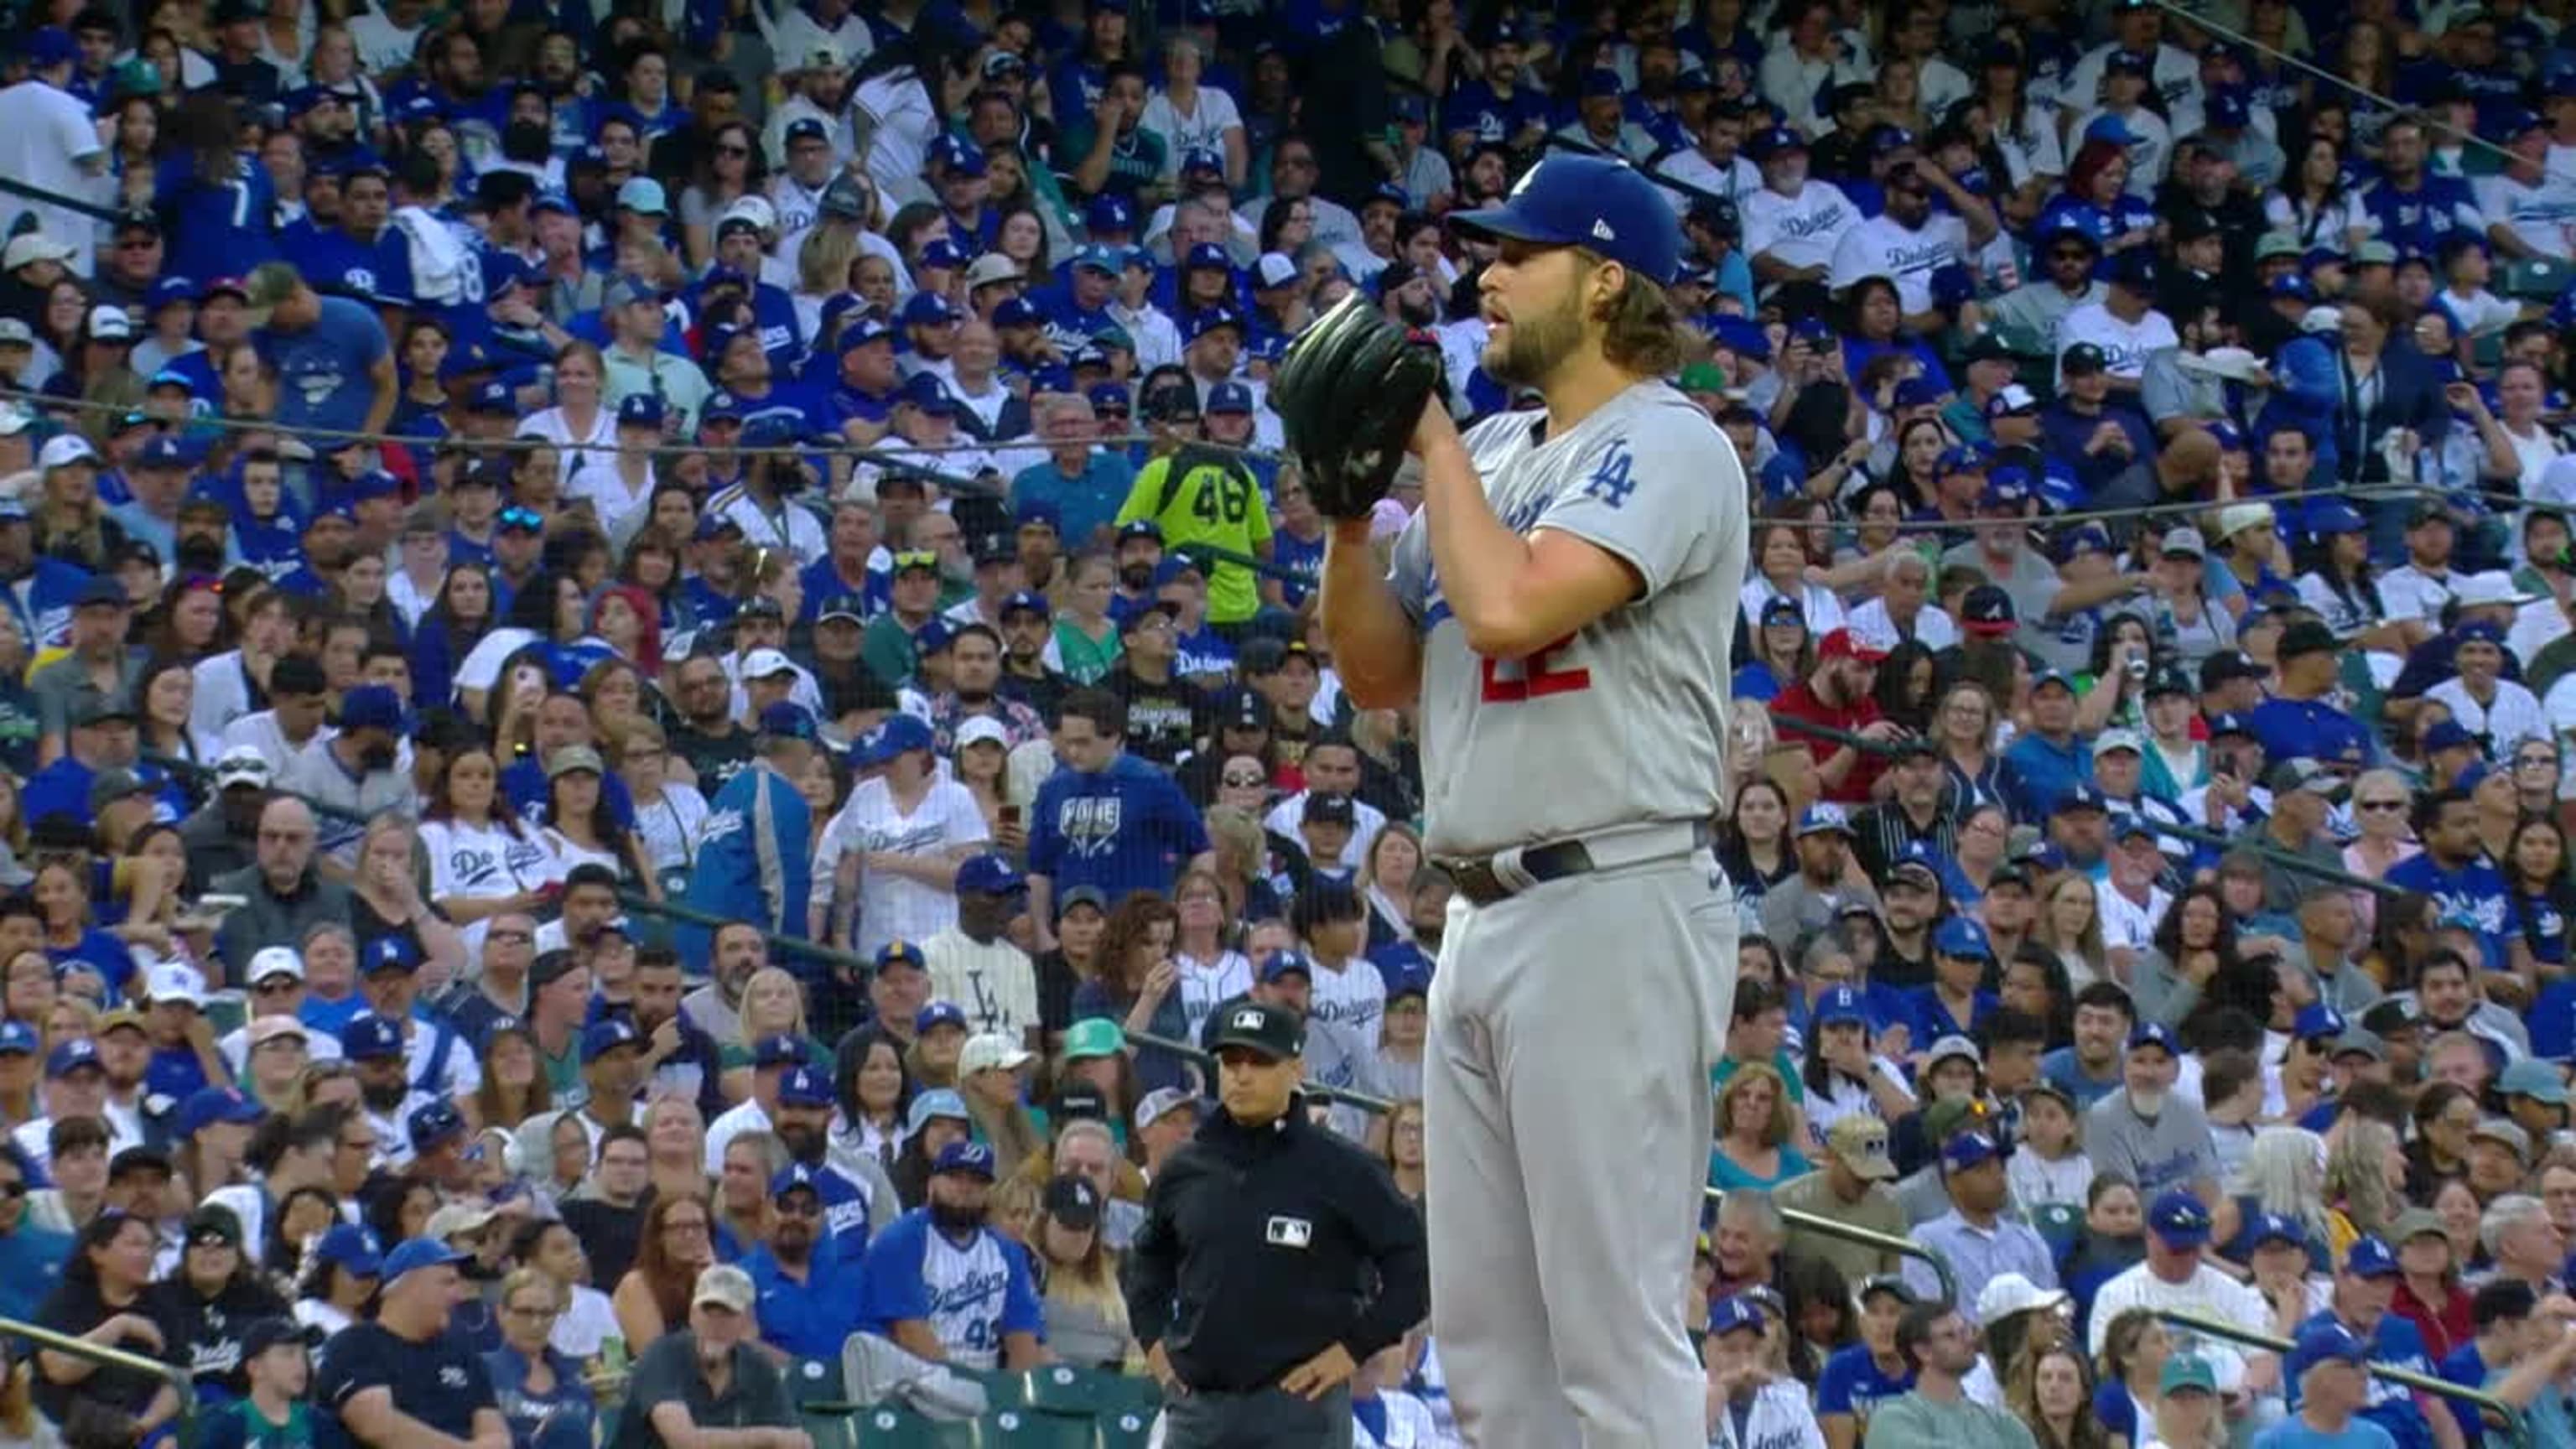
x: 1574, y: 1025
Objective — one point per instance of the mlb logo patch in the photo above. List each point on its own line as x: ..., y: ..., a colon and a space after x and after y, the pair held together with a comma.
x: 1248, y: 1019
x: 1291, y: 1232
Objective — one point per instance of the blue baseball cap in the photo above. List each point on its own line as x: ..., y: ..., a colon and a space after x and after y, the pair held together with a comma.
x: 2274, y: 1228
x: 2329, y: 516
x: 1964, y: 938
x: 2368, y: 1257
x: 352, y: 1248
x: 900, y: 952
x: 972, y: 1157
x: 796, y: 1177
x: 1229, y: 397
x: 2180, y: 1219
x: 1287, y: 962
x: 787, y: 720
x: 778, y: 1049
x: 19, y: 1039
x: 928, y: 309
x: 372, y: 706
x: 434, y: 1123
x: 1839, y: 1005
x: 1016, y: 312
x: 900, y: 734
x: 70, y: 1056
x: 1823, y: 818
x: 988, y: 875
x: 2324, y: 1341
x: 419, y: 1253
x: 1108, y: 213
x: 804, y: 1087
x: 163, y: 451
x: 2317, y: 1019
x: 941, y: 253
x: 925, y: 391
x: 606, y: 1035
x: 938, y: 1014
x: 369, y: 1037
x: 493, y: 399
x: 640, y: 410
x: 1731, y: 1314
x: 2078, y: 796
x: 2154, y: 1034
x: 1967, y: 1150
x: 1605, y: 206
x: 2448, y: 734
x: 209, y: 1105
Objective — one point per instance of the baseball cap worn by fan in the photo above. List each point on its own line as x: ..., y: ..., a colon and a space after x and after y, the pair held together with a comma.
x: 1859, y: 1142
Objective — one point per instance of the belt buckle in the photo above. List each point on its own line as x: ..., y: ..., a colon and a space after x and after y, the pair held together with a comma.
x: 1475, y: 878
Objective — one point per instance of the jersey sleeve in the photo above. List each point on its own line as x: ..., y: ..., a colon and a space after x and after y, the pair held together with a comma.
x: 1649, y: 496
x: 891, y: 1290
x: 965, y: 819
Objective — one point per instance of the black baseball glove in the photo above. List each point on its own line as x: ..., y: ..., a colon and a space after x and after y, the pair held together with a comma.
x: 1349, y: 394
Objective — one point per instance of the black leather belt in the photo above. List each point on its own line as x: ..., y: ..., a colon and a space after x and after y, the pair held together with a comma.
x: 1479, y: 883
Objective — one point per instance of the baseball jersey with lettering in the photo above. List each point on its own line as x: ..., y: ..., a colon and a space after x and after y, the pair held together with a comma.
x: 1800, y: 230
x: 970, y: 1294
x: 1630, y: 711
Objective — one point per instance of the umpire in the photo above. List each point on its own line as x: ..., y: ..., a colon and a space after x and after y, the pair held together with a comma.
x: 1275, y: 1258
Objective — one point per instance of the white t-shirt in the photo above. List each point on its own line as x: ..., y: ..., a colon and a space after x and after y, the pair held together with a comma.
x: 1907, y: 256
x: 1289, y: 815
x: 894, y: 907
x: 1934, y: 629
x: 222, y: 694
x: 2408, y: 595
x: 1800, y: 230
x: 671, y: 824
x: 905, y: 125
x: 1206, y: 125
x: 2124, y: 345
x: 1820, y: 607
x: 44, y: 136
x: 2209, y: 1292
x: 2542, y: 216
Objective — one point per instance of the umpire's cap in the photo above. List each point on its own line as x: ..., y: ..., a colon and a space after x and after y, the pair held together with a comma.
x: 1571, y: 200
x: 1272, y: 1032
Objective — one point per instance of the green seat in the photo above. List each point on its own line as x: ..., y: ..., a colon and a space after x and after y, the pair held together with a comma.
x: 890, y: 1426
x: 1125, y: 1428
x: 1002, y: 1389
x: 2537, y: 279
x: 810, y: 1380
x: 2057, y: 1223
x: 1034, y: 1429
x: 2486, y: 349
x: 1063, y: 1388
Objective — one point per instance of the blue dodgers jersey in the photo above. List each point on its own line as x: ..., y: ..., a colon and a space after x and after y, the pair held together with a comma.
x: 970, y: 1294
x: 1852, y: 1384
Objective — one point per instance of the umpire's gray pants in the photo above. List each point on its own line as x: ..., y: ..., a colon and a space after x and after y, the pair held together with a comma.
x: 1270, y: 1419
x: 1567, y: 1116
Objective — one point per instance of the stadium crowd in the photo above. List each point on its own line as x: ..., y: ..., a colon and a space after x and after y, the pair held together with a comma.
x: 659, y: 671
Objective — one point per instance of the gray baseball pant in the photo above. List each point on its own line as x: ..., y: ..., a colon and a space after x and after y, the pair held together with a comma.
x: 1567, y: 1119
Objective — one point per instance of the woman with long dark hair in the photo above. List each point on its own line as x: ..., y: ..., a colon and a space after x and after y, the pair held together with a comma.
x: 457, y: 621
x: 2535, y: 869
x: 483, y: 861
x: 653, y: 1297
x: 874, y: 1092
x: 217, y: 205
x: 101, y: 1300
x: 2192, y: 957
x: 1754, y: 845
x: 1903, y: 690
x: 1139, y: 984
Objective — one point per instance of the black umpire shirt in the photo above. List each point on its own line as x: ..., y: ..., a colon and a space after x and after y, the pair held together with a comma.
x: 1264, y: 1246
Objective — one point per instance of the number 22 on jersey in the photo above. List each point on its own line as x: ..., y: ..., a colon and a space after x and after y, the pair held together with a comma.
x: 1515, y: 681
